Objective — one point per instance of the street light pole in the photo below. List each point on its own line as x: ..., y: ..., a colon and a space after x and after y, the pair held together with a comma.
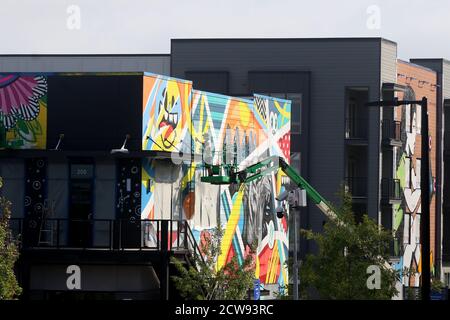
x: 425, y: 203
x: 295, y: 264
x: 424, y: 188
x: 296, y: 199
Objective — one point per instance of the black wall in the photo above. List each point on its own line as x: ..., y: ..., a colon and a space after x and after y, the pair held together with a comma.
x: 94, y: 112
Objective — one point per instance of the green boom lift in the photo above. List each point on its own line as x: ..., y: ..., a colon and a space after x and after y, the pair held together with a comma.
x: 228, y: 173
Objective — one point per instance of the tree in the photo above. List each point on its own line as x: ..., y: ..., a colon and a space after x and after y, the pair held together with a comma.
x: 346, y: 250
x: 203, y: 280
x: 9, y: 288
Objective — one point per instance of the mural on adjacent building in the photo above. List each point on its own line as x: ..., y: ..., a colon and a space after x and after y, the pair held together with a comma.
x: 23, y: 111
x: 407, y: 214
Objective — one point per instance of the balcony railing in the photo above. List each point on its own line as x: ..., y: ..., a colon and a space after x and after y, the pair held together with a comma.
x: 104, y: 234
x: 390, y: 189
x: 357, y: 186
x: 356, y: 128
x: 391, y: 130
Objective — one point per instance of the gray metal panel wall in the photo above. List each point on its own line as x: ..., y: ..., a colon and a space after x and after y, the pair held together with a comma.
x: 333, y: 63
x: 85, y: 63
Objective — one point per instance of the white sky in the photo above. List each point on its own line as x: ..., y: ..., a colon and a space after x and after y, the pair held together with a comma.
x: 421, y: 28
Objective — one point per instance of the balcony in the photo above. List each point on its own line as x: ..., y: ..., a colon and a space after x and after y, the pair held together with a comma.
x: 391, y: 133
x: 356, y: 129
x: 357, y: 186
x: 390, y: 191
x: 103, y: 234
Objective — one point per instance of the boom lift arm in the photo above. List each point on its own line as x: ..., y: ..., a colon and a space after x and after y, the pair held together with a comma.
x: 271, y: 164
x: 267, y: 166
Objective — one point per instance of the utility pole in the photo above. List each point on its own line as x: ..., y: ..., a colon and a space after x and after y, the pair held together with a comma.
x: 425, y: 203
x: 295, y: 264
x: 296, y: 199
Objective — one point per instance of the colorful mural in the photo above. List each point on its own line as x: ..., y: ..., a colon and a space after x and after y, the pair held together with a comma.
x: 23, y: 111
x: 206, y: 127
x: 407, y: 214
x: 232, y: 130
x: 166, y: 112
x: 148, y: 189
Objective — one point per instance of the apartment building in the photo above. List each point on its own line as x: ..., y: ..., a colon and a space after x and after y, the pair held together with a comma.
x: 336, y: 138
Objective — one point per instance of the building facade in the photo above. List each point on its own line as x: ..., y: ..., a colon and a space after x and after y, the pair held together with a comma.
x: 116, y: 214
x: 335, y: 137
x: 333, y: 140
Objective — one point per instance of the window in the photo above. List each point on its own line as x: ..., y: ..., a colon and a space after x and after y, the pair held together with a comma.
x: 356, y: 112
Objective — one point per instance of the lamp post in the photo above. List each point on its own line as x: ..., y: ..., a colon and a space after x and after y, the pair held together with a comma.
x: 425, y: 189
x: 296, y: 199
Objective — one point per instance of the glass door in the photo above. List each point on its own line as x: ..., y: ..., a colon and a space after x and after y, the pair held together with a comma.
x: 81, y: 208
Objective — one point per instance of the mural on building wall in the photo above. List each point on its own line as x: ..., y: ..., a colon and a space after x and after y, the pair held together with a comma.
x: 148, y: 189
x: 218, y: 129
x: 406, y: 215
x: 23, y: 111
x: 243, y: 132
x: 166, y: 112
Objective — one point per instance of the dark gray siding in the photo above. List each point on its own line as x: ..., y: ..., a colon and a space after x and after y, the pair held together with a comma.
x: 442, y: 67
x: 334, y: 64
x: 85, y: 63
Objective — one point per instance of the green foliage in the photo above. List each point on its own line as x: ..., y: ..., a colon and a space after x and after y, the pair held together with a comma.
x: 437, y: 285
x: 346, y: 248
x: 9, y: 288
x: 202, y: 280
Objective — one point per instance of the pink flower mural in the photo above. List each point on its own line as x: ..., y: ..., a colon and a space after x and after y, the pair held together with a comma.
x: 19, y: 98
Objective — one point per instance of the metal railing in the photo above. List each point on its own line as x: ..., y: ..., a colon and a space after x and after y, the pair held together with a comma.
x: 390, y: 189
x: 357, y: 186
x: 112, y: 234
x: 391, y: 130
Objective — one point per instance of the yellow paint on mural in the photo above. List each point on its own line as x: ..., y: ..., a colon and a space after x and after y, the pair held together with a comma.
x: 282, y: 110
x: 41, y: 139
x: 189, y: 176
x: 419, y: 268
x: 273, y: 265
x: 257, y: 268
x: 230, y: 228
x: 244, y: 114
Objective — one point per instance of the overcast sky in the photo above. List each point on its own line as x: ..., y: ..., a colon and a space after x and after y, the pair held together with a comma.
x: 421, y: 28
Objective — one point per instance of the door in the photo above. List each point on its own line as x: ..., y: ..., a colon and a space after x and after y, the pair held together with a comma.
x: 81, y: 194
